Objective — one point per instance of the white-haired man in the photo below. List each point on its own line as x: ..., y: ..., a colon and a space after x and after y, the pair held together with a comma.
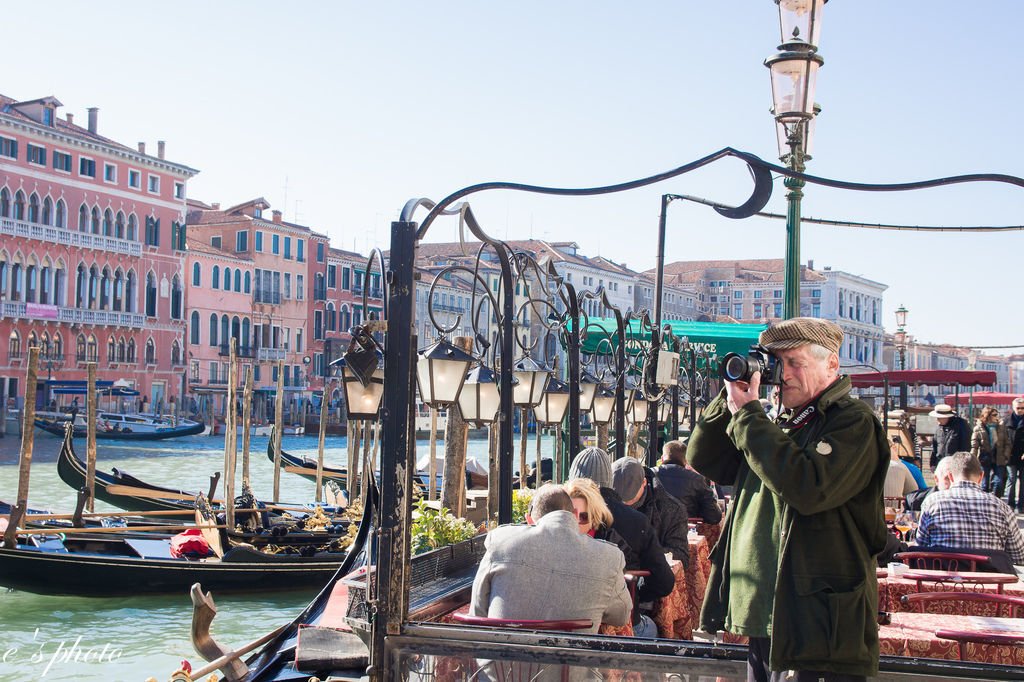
x: 795, y: 568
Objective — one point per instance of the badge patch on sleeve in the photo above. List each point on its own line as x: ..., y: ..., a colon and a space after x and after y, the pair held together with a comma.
x: 823, y: 448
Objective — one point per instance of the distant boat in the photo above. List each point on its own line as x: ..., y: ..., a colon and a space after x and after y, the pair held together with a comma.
x: 116, y: 426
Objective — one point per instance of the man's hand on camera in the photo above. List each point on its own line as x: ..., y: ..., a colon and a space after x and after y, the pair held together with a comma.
x: 739, y: 393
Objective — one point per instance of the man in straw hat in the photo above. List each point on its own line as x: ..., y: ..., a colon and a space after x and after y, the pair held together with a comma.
x: 952, y: 433
x: 795, y: 567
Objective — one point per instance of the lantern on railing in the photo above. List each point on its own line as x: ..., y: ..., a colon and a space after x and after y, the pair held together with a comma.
x: 604, y: 405
x: 440, y: 372
x: 636, y: 410
x: 555, y: 403
x: 531, y: 378
x: 479, y: 400
x: 588, y: 390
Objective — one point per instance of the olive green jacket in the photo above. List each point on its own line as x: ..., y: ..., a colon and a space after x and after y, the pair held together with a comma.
x: 809, y: 499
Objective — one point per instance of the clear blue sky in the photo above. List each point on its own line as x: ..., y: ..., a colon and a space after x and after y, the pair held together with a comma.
x: 358, y: 106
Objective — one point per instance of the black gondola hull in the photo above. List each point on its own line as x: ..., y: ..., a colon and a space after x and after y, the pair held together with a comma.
x: 57, y: 429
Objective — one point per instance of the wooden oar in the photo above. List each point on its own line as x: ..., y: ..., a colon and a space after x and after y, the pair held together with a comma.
x: 126, y: 515
x: 133, y: 491
x: 72, y: 531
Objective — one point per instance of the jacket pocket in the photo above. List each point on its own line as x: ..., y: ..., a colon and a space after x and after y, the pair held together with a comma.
x: 830, y: 614
x: 848, y: 613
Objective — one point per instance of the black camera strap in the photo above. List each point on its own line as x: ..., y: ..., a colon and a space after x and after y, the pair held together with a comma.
x: 792, y: 422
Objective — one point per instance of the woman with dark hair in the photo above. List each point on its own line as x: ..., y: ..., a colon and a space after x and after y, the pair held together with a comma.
x: 987, y: 444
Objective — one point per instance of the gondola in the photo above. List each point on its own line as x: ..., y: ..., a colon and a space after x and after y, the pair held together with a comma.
x: 115, y: 564
x: 111, y: 426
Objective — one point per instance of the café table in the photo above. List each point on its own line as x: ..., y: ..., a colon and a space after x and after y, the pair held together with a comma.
x: 913, y: 635
x: 890, y: 589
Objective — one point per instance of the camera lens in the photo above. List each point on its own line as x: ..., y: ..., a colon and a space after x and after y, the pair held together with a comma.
x: 735, y: 367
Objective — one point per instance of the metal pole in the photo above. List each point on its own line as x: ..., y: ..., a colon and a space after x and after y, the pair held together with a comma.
x: 573, y: 356
x: 791, y: 307
x: 620, y: 388
x: 247, y: 426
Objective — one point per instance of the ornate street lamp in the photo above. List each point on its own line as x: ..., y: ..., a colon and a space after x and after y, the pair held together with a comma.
x: 479, y: 399
x: 440, y: 372
x: 588, y: 390
x: 637, y: 409
x: 604, y: 405
x: 901, y: 316
x: 531, y: 377
x: 664, y: 411
x: 555, y: 403
x: 794, y: 71
x: 363, y: 390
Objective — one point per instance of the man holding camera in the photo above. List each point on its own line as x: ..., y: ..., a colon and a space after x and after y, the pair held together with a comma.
x: 795, y: 568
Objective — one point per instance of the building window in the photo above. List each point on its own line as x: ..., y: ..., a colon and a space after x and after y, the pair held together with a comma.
x: 275, y: 244
x: 242, y: 240
x: 737, y: 310
x: 134, y: 179
x: 737, y: 295
x: 300, y: 293
x: 248, y: 282
x: 287, y: 285
x: 179, y: 190
x: 332, y: 276
x: 86, y: 167
x: 153, y: 184
x: 215, y: 241
x: 109, y: 172
x: 8, y: 148
x: 320, y: 253
x: 815, y: 293
x: 61, y: 161
x: 288, y: 248
x: 346, y: 277
x: 194, y: 330
x: 215, y: 281
x: 757, y: 294
x: 259, y: 241
x: 778, y: 310
x: 36, y: 154
x: 300, y: 250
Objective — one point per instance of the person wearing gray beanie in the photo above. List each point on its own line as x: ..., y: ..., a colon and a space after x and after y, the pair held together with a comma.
x: 592, y: 463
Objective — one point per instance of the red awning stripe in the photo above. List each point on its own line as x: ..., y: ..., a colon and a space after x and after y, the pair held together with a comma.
x: 925, y: 377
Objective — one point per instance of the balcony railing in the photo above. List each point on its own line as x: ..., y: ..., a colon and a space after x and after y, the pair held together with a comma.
x: 60, y: 235
x: 42, y: 311
x: 319, y: 293
x: 270, y: 354
x: 266, y: 296
x: 240, y: 351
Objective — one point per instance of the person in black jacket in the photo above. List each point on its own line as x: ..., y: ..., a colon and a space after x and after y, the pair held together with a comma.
x: 686, y: 485
x: 951, y: 435
x: 635, y: 485
x: 630, y: 529
x: 1014, y: 422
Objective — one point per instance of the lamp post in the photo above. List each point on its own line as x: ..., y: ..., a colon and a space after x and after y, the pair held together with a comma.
x: 900, y: 337
x: 794, y: 69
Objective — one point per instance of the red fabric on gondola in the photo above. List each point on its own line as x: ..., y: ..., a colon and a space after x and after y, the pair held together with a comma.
x: 191, y: 544
x: 927, y: 377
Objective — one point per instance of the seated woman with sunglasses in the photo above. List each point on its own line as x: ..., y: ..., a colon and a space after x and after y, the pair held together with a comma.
x: 592, y: 514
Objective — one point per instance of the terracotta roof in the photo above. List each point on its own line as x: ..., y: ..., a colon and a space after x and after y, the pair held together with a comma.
x: 198, y: 246
x: 342, y: 253
x: 7, y: 107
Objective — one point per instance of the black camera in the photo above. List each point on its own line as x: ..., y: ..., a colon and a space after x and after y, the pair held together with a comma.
x: 736, y: 367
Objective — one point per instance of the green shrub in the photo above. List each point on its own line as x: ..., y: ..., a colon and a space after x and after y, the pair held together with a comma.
x: 433, y: 528
x: 521, y: 504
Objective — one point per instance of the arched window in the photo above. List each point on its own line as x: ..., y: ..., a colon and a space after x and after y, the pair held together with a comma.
x: 150, y: 352
x: 246, y: 328
x: 131, y: 294
x: 225, y: 331
x: 118, y: 290
x: 14, y: 345
x: 47, y: 217
x: 238, y: 280
x: 33, y: 208
x: 121, y: 355
x: 175, y: 353
x: 46, y: 284
x: 31, y: 283
x: 151, y: 295
x: 83, y: 218
x: 81, y: 283
x: 111, y: 350
x: 16, y: 283
x: 332, y: 319
x: 5, y: 203
x: 131, y: 351
x: 80, y: 348
x: 215, y: 277
x: 33, y: 342
x: 45, y: 349
x: 236, y: 330
x: 227, y: 279
x: 94, y: 286
x: 19, y: 205
x: 133, y: 228
x: 176, y: 296
x: 92, y: 351
x: 248, y: 283
x: 94, y: 220
x: 59, y: 285
x: 193, y: 328
x: 213, y: 329
x: 106, y: 282
x: 197, y: 275
x: 119, y: 225
x: 60, y: 217
x: 58, y: 347
x: 346, y: 319
x: 108, y: 223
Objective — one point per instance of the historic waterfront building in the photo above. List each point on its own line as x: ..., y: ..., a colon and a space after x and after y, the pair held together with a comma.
x: 92, y: 243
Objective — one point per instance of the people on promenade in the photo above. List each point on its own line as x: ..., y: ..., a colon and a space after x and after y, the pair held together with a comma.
x: 1014, y: 423
x: 952, y: 434
x: 989, y: 444
x: 964, y: 517
x: 795, y: 568
x: 639, y: 489
x: 686, y: 485
x: 548, y: 570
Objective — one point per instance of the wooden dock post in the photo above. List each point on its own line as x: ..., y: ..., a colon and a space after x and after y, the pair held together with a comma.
x: 27, y: 442
x: 91, y: 399
x: 278, y: 429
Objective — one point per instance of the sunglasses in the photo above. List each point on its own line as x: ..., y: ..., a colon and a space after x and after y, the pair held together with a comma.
x: 582, y: 517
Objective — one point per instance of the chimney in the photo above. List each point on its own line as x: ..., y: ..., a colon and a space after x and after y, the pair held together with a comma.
x: 215, y: 206
x: 93, y: 115
x: 277, y: 216
x: 810, y: 264
x: 160, y: 145
x: 71, y: 119
x: 142, y: 147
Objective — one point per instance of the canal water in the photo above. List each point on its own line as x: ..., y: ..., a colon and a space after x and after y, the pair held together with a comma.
x: 133, y: 638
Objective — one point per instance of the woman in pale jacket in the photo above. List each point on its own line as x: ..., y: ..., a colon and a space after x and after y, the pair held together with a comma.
x: 989, y: 442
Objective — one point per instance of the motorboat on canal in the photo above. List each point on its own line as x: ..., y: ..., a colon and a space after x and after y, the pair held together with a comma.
x: 116, y: 426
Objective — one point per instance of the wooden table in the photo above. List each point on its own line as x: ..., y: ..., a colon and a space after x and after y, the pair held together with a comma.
x: 891, y: 589
x: 913, y: 635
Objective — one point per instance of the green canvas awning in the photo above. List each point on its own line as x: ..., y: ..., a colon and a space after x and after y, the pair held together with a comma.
x: 713, y: 338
